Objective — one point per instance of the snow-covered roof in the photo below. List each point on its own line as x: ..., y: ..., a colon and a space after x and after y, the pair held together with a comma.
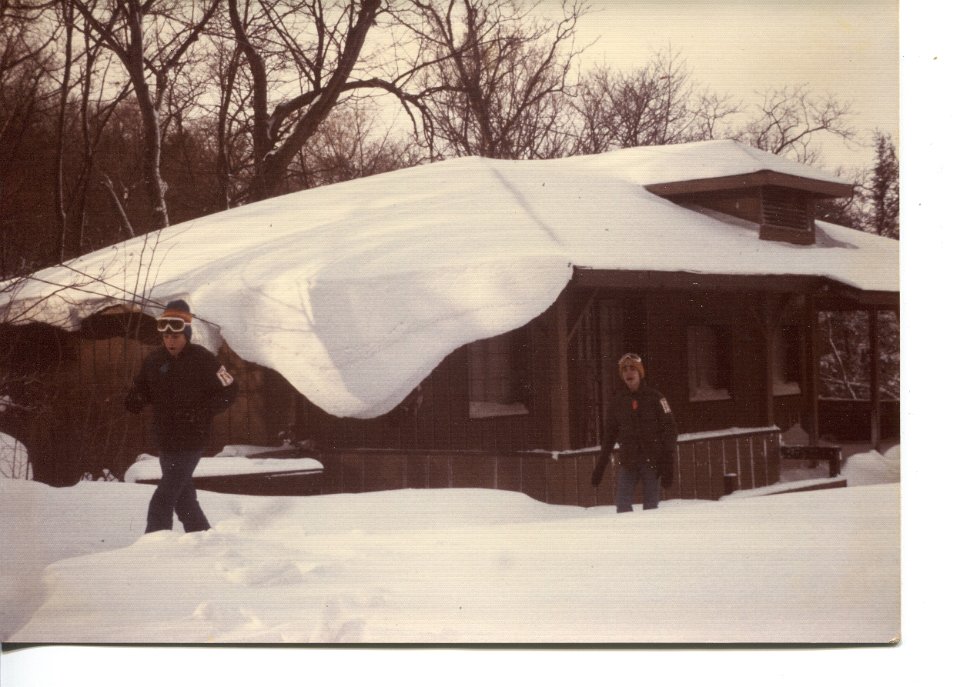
x: 147, y: 467
x: 709, y: 160
x: 355, y: 292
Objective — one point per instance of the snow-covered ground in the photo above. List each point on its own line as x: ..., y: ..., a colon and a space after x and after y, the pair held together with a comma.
x: 453, y: 566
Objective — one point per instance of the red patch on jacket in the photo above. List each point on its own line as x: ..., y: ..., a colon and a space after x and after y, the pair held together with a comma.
x: 634, y: 404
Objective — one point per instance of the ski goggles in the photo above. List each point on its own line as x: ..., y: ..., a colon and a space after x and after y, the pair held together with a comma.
x: 176, y: 325
x: 630, y: 359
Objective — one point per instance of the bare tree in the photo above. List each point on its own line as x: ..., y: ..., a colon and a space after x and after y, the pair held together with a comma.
x: 847, y: 211
x: 501, y: 76
x: 845, y: 361
x: 151, y: 38
x: 88, y: 97
x: 883, y: 189
x: 788, y: 120
x: 321, y: 44
x: 351, y: 144
x: 228, y: 122
x: 27, y: 98
x: 58, y: 192
x: 655, y: 105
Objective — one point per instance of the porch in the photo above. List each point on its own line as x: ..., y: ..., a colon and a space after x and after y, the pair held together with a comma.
x: 708, y: 466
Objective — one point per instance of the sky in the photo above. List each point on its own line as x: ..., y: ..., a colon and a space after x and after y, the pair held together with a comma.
x: 452, y: 565
x: 741, y: 47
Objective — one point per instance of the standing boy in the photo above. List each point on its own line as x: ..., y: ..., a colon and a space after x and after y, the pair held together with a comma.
x: 640, y: 420
x: 186, y: 386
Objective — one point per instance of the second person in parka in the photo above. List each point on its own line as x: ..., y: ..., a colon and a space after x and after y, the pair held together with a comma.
x: 641, y: 421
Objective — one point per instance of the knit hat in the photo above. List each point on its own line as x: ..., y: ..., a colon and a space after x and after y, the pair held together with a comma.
x: 180, y: 308
x: 632, y: 360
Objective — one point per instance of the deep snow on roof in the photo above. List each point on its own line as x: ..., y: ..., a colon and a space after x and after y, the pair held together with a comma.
x: 355, y: 292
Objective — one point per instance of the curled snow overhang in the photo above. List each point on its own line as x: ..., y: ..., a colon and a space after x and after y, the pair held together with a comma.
x: 355, y: 292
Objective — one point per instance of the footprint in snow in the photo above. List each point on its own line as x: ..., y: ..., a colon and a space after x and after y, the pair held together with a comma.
x: 264, y: 573
x: 224, y: 620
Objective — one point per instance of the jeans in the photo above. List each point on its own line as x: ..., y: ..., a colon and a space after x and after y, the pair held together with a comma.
x: 176, y: 494
x: 627, y: 478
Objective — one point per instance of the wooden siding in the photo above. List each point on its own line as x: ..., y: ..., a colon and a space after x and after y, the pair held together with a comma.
x: 80, y: 424
x: 669, y: 315
x: 601, y: 325
x: 434, y: 416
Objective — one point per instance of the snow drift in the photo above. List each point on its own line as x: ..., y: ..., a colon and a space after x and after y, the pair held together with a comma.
x: 450, y: 565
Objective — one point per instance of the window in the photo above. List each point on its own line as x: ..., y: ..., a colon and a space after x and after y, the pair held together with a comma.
x: 708, y: 364
x: 498, y: 375
x: 786, y: 357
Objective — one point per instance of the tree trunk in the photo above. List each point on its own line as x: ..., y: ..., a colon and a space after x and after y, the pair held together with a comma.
x: 273, y: 163
x: 153, y: 182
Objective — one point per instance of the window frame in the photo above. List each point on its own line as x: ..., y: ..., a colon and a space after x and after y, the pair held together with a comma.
x: 503, y: 363
x: 787, y: 361
x: 717, y: 357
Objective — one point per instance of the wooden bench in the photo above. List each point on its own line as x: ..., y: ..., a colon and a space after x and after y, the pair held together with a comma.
x: 813, y: 455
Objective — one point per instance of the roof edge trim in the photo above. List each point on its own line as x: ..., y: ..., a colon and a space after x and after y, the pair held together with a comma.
x: 765, y: 177
x: 819, y: 286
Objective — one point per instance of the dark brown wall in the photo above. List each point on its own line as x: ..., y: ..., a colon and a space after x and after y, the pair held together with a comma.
x: 436, y: 417
x: 847, y: 420
x: 742, y: 203
x: 436, y: 414
x: 668, y: 316
x: 38, y: 371
x: 74, y: 387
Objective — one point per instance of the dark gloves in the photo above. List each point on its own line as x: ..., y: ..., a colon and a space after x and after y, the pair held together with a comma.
x: 597, y: 475
x: 135, y: 401
x: 197, y: 417
x: 666, y: 473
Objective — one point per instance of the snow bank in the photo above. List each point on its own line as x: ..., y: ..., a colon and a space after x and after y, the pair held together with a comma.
x: 147, y: 467
x: 455, y: 565
x: 873, y: 467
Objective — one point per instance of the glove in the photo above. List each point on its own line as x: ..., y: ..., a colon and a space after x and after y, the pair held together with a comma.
x: 597, y: 475
x: 197, y: 418
x: 666, y: 474
x: 135, y: 401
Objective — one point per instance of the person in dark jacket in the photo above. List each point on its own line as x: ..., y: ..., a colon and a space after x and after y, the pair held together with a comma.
x: 186, y: 386
x: 640, y: 420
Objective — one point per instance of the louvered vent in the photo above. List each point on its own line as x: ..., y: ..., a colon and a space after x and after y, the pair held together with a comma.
x: 786, y: 215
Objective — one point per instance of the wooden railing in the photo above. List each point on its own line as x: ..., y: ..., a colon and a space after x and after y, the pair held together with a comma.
x: 709, y: 464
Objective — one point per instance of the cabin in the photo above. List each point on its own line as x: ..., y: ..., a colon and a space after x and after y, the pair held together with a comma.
x: 464, y: 320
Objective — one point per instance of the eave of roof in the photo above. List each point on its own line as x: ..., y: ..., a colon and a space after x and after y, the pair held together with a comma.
x: 826, y: 290
x: 816, y: 187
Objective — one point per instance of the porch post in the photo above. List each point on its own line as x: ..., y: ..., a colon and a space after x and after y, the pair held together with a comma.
x: 874, y: 378
x: 560, y: 379
x: 768, y: 324
x: 812, y: 366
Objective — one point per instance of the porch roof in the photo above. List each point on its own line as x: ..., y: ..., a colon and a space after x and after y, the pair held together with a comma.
x: 828, y: 294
